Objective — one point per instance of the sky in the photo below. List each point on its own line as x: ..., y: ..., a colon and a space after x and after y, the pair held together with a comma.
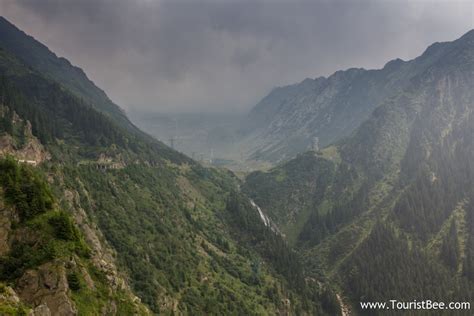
x: 225, y: 55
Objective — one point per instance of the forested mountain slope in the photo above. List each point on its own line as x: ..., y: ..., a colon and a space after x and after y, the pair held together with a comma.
x: 46, y: 265
x: 322, y: 111
x: 137, y: 216
x: 37, y: 56
x: 387, y: 213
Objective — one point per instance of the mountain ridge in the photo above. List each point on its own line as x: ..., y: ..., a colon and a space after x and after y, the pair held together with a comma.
x: 40, y: 57
x: 318, y: 112
x: 396, y: 193
x: 386, y: 200
x: 169, y: 222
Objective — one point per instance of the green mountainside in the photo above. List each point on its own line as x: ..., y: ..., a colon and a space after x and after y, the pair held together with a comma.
x: 98, y: 218
x: 37, y: 56
x: 387, y: 212
x: 46, y: 265
x: 112, y: 213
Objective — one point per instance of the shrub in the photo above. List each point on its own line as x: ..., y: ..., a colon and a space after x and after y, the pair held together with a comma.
x: 73, y: 281
x: 25, y: 189
x: 63, y: 227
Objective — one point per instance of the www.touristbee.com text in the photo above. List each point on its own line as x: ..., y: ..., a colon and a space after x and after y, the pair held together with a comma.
x: 415, y: 305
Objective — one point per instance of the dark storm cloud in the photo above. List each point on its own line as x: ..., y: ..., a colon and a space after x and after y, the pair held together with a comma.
x: 226, y: 55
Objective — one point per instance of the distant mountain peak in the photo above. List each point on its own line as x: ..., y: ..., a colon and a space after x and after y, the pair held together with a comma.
x: 287, y: 121
x: 393, y: 64
x: 468, y: 35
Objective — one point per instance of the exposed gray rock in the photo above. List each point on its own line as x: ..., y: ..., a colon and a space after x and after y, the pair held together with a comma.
x: 41, y: 310
x: 47, y: 285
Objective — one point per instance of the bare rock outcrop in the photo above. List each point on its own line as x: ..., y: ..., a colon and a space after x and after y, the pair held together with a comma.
x: 30, y: 150
x: 41, y: 310
x: 47, y: 286
x: 102, y: 256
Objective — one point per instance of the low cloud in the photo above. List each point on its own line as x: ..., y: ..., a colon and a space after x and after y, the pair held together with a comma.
x: 226, y: 55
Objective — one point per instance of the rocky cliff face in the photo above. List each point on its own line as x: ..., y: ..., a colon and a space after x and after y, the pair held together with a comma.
x: 22, y: 144
x: 45, y: 290
x: 47, y: 287
x: 102, y: 255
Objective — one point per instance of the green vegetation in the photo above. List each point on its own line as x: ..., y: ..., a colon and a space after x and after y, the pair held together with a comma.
x: 25, y: 189
x: 101, y: 297
x: 43, y: 235
x: 393, y: 218
x: 371, y: 217
x: 286, y: 193
x: 181, y: 241
x: 13, y: 310
x: 385, y: 266
x: 9, y: 307
x: 58, y: 115
x: 39, y: 57
x: 165, y: 216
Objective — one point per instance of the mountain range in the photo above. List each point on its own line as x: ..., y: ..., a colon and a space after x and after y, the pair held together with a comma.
x: 392, y: 203
x: 319, y: 112
x: 99, y: 218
